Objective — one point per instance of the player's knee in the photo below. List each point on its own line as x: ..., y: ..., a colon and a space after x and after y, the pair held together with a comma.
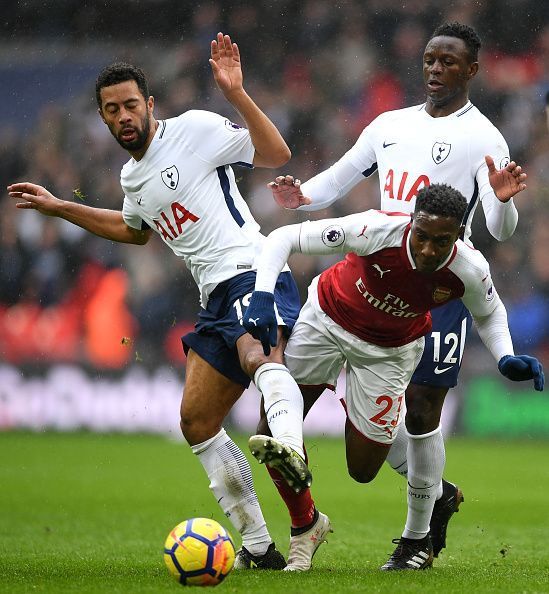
x: 423, y: 409
x: 197, y: 428
x: 422, y: 420
x: 251, y: 361
x: 362, y: 474
x: 253, y: 358
x: 416, y: 422
x: 187, y: 425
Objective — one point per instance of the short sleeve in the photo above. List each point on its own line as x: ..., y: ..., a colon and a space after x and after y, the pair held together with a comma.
x: 131, y: 217
x: 217, y: 139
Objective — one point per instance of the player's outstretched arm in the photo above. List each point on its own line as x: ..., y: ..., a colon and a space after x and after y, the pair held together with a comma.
x: 99, y: 221
x: 506, y: 182
x: 493, y: 330
x: 321, y: 190
x: 287, y: 192
x: 270, y: 148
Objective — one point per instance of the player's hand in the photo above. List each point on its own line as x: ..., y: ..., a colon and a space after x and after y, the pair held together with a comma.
x: 35, y: 197
x: 287, y: 192
x: 505, y: 182
x: 225, y: 63
x: 522, y: 367
x: 259, y: 319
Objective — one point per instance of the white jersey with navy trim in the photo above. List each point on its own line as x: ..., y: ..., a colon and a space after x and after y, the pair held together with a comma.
x: 185, y: 189
x: 411, y: 149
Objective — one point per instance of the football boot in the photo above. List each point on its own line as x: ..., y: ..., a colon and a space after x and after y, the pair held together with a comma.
x: 272, y: 559
x: 410, y: 554
x: 270, y: 451
x: 444, y: 509
x: 304, y: 544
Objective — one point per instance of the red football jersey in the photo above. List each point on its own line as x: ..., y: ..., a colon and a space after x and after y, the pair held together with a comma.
x: 376, y: 292
x: 382, y: 298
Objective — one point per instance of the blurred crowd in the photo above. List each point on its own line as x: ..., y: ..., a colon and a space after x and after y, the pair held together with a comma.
x: 321, y: 70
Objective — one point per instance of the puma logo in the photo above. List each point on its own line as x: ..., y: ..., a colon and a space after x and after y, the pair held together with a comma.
x: 253, y: 321
x: 381, y: 272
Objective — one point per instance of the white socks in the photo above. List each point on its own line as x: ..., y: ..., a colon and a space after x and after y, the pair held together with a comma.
x: 231, y: 482
x: 283, y: 404
x: 426, y: 459
x: 398, y: 453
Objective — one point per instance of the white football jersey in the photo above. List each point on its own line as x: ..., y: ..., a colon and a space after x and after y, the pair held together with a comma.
x: 185, y: 189
x: 411, y: 149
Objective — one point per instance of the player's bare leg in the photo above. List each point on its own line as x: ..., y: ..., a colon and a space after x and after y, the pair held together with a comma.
x: 282, y: 447
x: 207, y: 399
x: 364, y: 457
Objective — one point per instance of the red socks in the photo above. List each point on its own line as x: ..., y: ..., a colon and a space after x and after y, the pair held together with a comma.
x: 300, y: 505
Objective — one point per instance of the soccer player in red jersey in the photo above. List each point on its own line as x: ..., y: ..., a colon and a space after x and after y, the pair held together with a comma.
x: 371, y: 312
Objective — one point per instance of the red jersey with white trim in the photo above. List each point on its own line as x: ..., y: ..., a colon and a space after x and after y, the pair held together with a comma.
x: 376, y: 292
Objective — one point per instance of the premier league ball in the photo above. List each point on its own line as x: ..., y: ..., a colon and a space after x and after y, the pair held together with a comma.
x: 199, y: 552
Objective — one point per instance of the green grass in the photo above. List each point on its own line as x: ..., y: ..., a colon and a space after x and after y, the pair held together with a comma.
x: 89, y: 513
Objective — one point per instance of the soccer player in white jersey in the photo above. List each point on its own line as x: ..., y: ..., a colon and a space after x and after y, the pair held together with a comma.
x: 372, y: 310
x: 444, y: 140
x: 179, y: 183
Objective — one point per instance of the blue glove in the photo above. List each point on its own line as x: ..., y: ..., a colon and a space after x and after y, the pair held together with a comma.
x: 259, y: 319
x: 522, y: 367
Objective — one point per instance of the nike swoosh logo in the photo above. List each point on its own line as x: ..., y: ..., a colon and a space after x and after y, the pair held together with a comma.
x: 386, y: 144
x: 439, y: 371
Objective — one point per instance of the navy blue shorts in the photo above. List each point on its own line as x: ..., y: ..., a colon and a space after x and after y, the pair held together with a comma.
x: 219, y: 325
x: 441, y: 360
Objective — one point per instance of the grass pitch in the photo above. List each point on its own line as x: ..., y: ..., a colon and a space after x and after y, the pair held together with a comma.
x: 89, y: 513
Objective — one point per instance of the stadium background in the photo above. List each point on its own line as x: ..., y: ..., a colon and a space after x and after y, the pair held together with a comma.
x: 90, y: 330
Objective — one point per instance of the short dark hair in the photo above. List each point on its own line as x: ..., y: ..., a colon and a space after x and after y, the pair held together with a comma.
x: 117, y: 73
x: 441, y: 200
x: 468, y: 34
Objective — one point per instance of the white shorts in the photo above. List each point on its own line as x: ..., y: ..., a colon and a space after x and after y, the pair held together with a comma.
x: 376, y: 377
